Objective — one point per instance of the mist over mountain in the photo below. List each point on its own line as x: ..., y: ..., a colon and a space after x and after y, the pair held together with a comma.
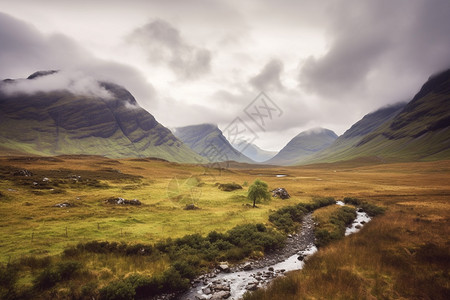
x: 52, y: 113
x: 418, y: 130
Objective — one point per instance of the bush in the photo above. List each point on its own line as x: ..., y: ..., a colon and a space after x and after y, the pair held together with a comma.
x: 334, y: 228
x: 118, y: 290
x: 46, y: 279
x: 352, y: 201
x: 372, y: 210
x: 229, y: 187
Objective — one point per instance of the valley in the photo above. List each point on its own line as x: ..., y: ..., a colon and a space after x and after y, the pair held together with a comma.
x: 31, y: 225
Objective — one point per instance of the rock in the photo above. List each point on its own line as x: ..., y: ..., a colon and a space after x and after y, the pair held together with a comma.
x: 252, y: 286
x: 221, y: 295
x: 190, y: 207
x: 270, y: 269
x: 45, y: 179
x: 300, y: 257
x: 64, y: 204
x: 358, y: 226
x: 280, y: 193
x: 363, y: 222
x: 289, y: 236
x: 224, y: 268
x: 122, y: 201
x: 247, y: 267
x: 206, y: 291
x: 23, y: 172
x: 360, y: 210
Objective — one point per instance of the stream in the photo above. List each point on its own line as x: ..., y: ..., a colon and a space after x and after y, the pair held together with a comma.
x: 232, y: 283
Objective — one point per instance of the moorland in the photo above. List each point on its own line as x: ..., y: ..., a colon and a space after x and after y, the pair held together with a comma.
x: 57, y: 212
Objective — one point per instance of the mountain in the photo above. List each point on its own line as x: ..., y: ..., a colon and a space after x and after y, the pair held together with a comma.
x: 303, y: 145
x: 60, y: 121
x: 254, y: 152
x: 340, y: 148
x: 419, y: 130
x: 209, y: 141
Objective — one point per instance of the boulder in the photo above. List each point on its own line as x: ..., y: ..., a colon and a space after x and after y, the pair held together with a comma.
x: 247, y: 267
x: 280, y: 193
x: 122, y: 201
x: 64, y: 204
x: 221, y: 295
x: 224, y: 268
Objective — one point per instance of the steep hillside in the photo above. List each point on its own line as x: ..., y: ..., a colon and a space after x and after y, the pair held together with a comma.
x: 340, y: 148
x: 62, y: 122
x: 254, y: 152
x: 418, y: 131
x: 208, y: 141
x: 304, y: 145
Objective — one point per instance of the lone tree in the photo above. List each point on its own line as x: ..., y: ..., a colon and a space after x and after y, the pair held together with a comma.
x: 258, y: 191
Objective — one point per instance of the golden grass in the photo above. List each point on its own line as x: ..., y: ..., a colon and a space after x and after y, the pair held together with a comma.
x: 371, y: 264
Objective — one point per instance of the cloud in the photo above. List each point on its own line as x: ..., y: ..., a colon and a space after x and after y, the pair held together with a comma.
x: 163, y: 43
x: 377, y: 43
x: 24, y: 50
x: 75, y: 82
x: 269, y: 77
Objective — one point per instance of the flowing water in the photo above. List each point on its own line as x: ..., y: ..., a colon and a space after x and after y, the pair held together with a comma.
x: 246, y: 277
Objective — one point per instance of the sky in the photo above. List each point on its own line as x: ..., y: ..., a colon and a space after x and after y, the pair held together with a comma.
x: 318, y: 63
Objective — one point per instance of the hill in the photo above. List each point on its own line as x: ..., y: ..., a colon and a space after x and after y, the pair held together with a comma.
x: 416, y: 131
x: 303, y: 145
x: 209, y: 141
x: 53, y: 122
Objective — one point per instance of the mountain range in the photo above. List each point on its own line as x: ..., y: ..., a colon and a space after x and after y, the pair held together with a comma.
x: 417, y: 130
x: 64, y: 121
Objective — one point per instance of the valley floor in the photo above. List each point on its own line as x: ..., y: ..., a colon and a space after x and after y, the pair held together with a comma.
x: 402, y: 254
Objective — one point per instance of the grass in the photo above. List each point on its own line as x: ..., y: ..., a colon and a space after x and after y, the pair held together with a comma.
x: 415, y: 195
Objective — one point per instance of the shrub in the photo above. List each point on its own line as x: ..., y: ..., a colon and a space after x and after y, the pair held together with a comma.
x: 229, y: 187
x: 118, y: 290
x: 46, y: 279
x: 352, y: 201
x: 372, y: 210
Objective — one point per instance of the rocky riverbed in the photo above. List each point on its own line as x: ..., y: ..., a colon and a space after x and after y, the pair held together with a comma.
x: 231, y: 282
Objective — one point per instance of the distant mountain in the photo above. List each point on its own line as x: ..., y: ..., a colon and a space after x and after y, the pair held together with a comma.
x: 209, y: 141
x: 64, y: 122
x: 419, y: 130
x: 254, y: 152
x: 303, y: 146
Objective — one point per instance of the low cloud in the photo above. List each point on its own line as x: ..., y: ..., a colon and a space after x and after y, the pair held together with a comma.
x: 24, y: 50
x: 377, y: 43
x: 163, y: 43
x: 77, y: 83
x: 269, y: 77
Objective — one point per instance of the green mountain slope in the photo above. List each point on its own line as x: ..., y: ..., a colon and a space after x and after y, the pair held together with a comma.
x: 340, y: 148
x: 209, y: 141
x: 61, y: 122
x: 419, y: 131
x: 254, y: 152
x: 303, y: 146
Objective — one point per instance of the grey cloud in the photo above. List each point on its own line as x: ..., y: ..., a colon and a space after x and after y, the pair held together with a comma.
x: 269, y: 77
x: 380, y: 42
x: 163, y: 43
x: 25, y: 50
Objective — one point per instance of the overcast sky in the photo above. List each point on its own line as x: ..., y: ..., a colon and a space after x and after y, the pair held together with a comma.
x: 322, y: 63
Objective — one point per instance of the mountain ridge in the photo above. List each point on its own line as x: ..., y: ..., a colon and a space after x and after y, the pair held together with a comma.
x: 63, y: 122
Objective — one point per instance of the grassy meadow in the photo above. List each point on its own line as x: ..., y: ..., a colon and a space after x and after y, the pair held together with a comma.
x: 416, y: 196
